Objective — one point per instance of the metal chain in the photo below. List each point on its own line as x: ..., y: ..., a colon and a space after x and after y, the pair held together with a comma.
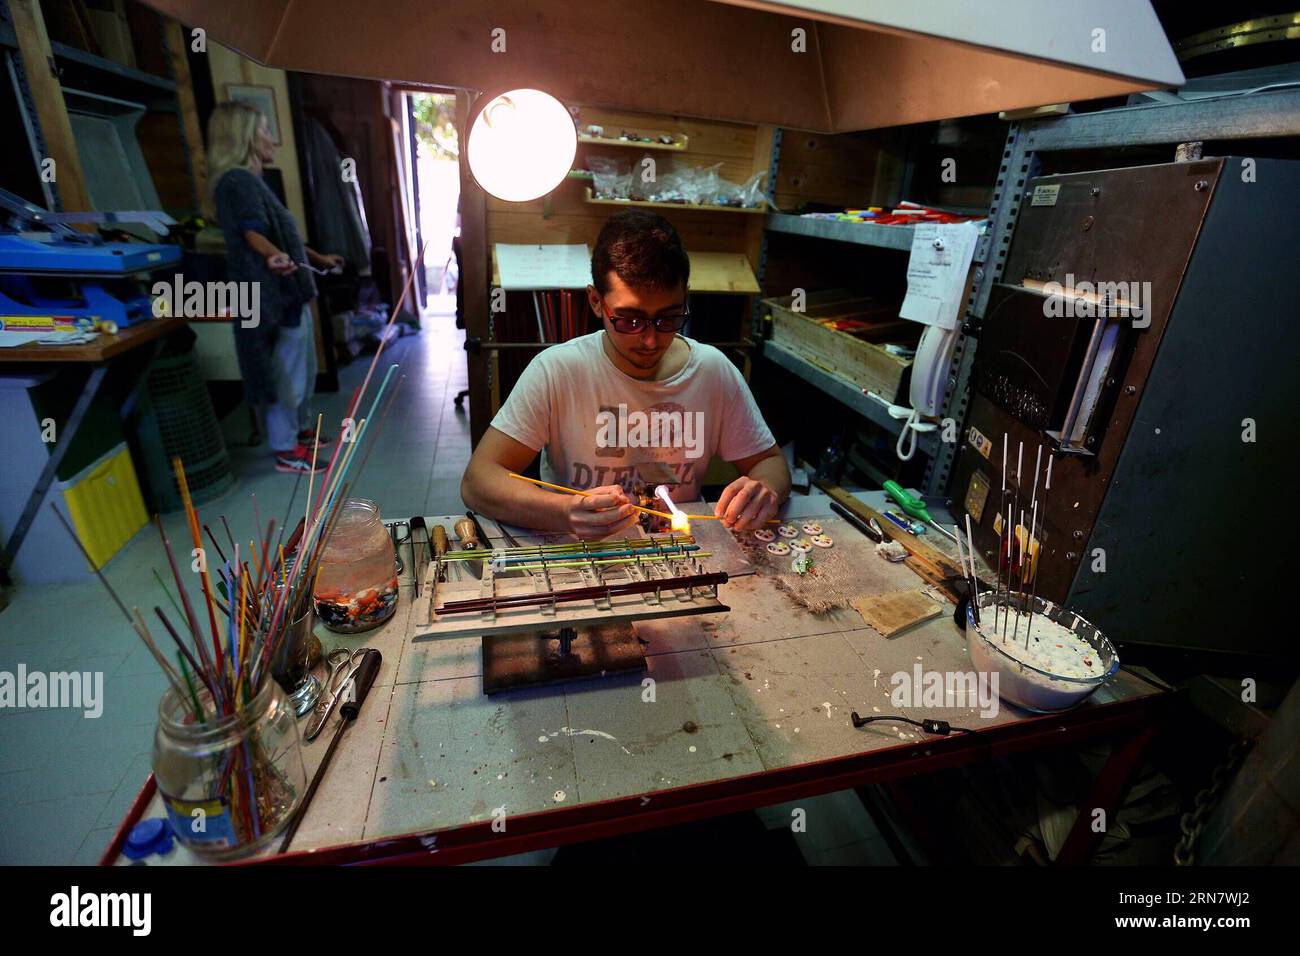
x: 1193, y: 824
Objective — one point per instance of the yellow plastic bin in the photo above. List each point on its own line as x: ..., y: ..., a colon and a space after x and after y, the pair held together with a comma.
x: 106, y: 506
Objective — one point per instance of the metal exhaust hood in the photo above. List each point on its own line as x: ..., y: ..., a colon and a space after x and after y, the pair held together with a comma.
x: 822, y: 65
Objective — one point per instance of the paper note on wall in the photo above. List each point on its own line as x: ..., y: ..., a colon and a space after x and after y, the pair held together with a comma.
x: 936, y: 272
x: 550, y: 266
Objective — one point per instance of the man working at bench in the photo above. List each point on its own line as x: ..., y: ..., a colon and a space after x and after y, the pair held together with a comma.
x: 634, y: 393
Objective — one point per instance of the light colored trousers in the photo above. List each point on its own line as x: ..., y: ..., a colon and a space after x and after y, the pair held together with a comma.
x: 293, y: 373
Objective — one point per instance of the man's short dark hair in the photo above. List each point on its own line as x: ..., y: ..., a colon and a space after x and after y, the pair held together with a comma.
x: 641, y: 248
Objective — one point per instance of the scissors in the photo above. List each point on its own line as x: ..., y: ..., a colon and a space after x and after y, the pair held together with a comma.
x: 340, y: 661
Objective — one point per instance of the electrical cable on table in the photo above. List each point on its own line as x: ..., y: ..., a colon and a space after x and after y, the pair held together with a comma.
x: 940, y: 728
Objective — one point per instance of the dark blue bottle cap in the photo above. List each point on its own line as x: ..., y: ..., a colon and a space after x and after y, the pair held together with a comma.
x: 148, y: 836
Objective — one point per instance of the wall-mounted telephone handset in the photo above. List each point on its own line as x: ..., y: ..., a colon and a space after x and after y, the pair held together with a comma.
x: 938, y: 276
x: 930, y: 370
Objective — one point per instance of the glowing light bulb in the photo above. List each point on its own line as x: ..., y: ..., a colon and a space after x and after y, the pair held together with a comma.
x: 521, y: 145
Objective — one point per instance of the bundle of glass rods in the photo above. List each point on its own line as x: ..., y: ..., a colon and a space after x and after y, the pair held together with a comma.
x: 265, y: 599
x: 223, y: 666
x: 267, y: 588
x: 671, y: 544
x: 686, y: 582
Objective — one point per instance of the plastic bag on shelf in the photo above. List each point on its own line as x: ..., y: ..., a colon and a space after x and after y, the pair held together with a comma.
x: 687, y: 184
x: 671, y: 183
x: 709, y: 186
x: 723, y: 192
x: 751, y: 193
x: 610, y: 178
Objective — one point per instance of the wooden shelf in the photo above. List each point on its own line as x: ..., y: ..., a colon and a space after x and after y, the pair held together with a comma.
x: 678, y: 147
x: 111, y: 69
x: 686, y: 206
x: 725, y: 272
x: 711, y: 272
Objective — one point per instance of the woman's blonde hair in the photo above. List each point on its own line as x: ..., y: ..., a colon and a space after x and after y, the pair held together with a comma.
x: 232, y: 128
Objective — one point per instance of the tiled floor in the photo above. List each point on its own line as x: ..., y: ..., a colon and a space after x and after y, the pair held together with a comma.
x: 66, y: 781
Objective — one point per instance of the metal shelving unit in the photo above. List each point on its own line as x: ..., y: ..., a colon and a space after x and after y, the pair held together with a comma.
x: 79, y: 70
x: 1272, y: 113
x: 844, y: 391
x: 111, y: 69
x: 1267, y: 114
x: 897, y: 238
x: 859, y: 233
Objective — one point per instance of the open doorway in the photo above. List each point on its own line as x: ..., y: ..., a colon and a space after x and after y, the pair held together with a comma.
x: 432, y: 194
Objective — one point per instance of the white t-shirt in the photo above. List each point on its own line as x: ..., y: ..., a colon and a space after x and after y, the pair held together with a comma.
x: 594, y: 423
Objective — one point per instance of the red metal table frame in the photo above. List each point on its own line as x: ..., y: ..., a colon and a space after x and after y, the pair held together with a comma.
x: 1133, y: 722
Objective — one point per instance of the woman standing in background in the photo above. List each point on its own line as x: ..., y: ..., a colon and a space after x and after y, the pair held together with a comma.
x: 277, y: 354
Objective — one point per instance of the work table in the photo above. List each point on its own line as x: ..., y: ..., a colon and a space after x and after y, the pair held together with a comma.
x: 746, y: 708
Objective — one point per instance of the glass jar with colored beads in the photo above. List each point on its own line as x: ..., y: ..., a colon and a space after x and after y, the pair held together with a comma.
x: 357, y: 585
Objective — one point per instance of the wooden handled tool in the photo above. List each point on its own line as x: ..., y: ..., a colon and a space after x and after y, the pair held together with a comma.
x: 440, y: 549
x: 363, y: 678
x: 468, y: 535
x: 932, y: 564
x: 439, y: 538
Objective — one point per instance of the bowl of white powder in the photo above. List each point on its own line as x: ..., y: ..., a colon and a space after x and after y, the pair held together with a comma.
x: 1045, y: 662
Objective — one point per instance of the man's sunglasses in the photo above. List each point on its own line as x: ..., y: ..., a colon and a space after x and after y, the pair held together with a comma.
x: 635, y: 324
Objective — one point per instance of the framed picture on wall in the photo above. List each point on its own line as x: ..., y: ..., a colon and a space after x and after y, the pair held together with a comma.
x: 260, y: 98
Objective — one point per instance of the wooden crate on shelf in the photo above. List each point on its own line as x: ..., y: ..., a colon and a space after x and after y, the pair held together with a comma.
x: 859, y: 356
